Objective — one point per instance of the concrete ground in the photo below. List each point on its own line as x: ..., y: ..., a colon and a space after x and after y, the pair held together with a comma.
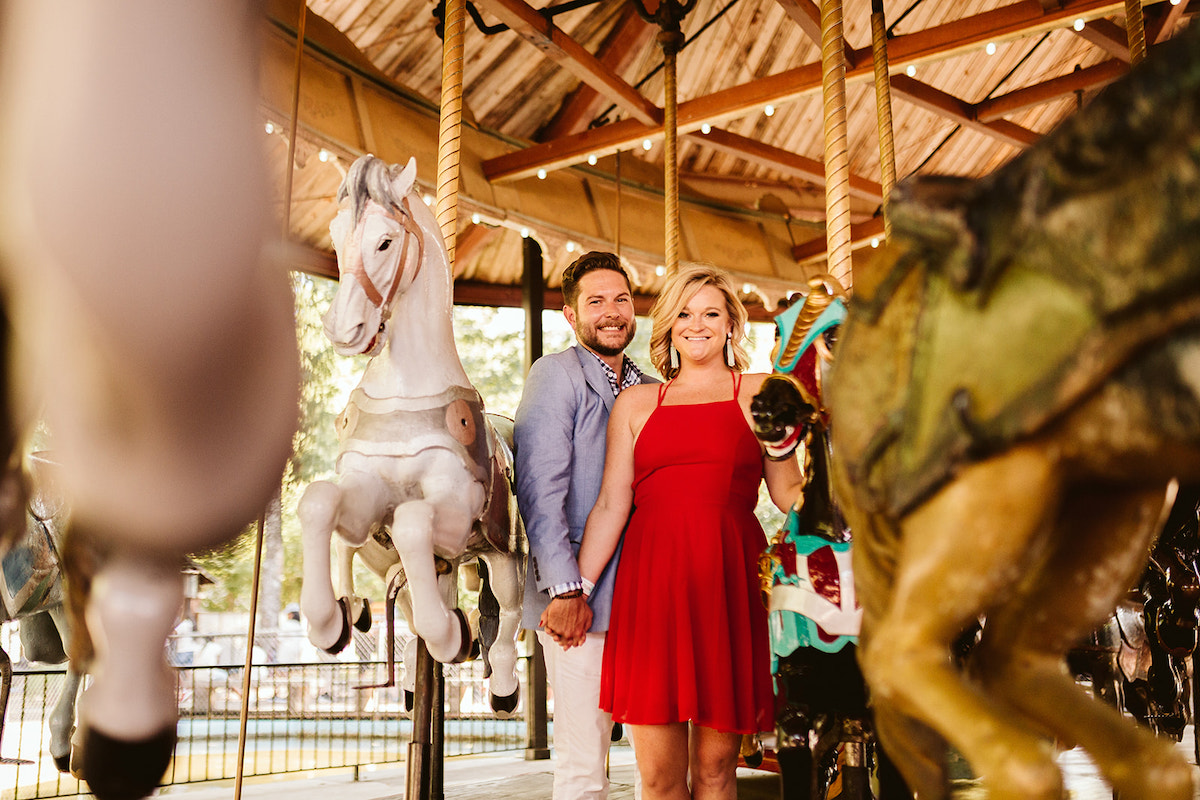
x: 508, y: 776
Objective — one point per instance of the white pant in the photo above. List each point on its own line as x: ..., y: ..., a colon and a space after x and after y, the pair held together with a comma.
x: 582, y: 732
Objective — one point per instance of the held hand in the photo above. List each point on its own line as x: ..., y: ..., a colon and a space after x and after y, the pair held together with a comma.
x: 567, y: 620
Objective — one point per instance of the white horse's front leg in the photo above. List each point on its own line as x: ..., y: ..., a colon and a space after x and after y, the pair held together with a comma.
x: 508, y: 585
x: 128, y: 713
x: 350, y: 510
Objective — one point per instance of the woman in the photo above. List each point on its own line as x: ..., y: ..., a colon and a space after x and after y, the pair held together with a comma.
x: 686, y: 662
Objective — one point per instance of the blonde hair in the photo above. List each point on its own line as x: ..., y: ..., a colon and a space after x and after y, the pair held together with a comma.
x: 678, y: 292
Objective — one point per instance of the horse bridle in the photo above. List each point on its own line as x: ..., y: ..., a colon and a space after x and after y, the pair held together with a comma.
x: 383, y: 300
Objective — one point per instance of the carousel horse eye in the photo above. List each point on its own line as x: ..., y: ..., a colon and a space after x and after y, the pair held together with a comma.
x: 385, y: 244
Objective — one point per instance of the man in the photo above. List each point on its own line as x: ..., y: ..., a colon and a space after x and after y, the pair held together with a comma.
x: 560, y: 437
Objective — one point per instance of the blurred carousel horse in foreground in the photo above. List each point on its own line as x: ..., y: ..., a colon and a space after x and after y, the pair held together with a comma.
x: 1016, y: 387
x: 146, y: 328
x: 31, y: 593
x: 424, y: 475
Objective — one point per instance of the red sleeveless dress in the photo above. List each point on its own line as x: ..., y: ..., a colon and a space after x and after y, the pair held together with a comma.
x: 687, y: 640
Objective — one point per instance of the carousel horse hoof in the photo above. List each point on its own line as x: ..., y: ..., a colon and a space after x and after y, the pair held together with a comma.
x: 344, y: 637
x: 467, y: 641
x: 363, y: 621
x: 503, y: 706
x: 63, y: 763
x: 618, y: 732
x: 410, y: 700
x: 117, y: 769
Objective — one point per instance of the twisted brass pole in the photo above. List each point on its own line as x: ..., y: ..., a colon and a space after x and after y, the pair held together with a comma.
x: 449, y: 132
x: 837, y: 166
x: 671, y: 41
x: 1135, y: 29
x: 883, y: 105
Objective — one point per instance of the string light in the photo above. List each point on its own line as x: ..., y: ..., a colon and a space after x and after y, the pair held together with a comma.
x: 660, y: 270
x: 570, y: 247
x: 1079, y: 23
x: 874, y: 241
x: 541, y: 173
x: 524, y: 233
x: 475, y: 218
x: 705, y: 128
x: 991, y: 48
x: 911, y: 71
x: 592, y: 159
x: 323, y: 155
x: 769, y: 110
x: 647, y: 144
x: 270, y: 127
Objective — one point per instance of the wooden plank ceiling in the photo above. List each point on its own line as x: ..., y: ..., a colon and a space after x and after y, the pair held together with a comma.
x: 563, y: 86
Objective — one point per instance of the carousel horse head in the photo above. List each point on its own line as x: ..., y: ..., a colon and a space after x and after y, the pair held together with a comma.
x: 790, y: 403
x: 380, y: 247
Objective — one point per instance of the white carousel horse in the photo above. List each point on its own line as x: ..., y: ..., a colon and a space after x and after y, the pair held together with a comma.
x: 146, y: 328
x: 424, y: 478
x: 31, y: 593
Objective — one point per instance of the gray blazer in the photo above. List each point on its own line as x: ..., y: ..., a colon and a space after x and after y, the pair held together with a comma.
x: 559, y: 438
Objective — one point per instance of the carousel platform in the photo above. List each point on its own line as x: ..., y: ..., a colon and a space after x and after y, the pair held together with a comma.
x: 507, y: 776
x: 499, y: 776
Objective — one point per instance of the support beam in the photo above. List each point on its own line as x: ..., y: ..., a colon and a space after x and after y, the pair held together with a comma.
x: 1018, y: 19
x: 1108, y: 36
x: 629, y: 38
x: 785, y: 161
x: 963, y: 113
x: 805, y: 14
x: 1082, y: 80
x: 531, y: 26
x: 860, y: 234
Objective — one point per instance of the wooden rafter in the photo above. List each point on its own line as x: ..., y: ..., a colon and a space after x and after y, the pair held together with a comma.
x: 785, y: 161
x: 951, y: 107
x: 1081, y: 80
x: 807, y: 15
x: 1108, y: 36
x: 1007, y: 22
x: 630, y: 36
x: 1160, y: 29
x: 860, y: 234
x: 527, y: 23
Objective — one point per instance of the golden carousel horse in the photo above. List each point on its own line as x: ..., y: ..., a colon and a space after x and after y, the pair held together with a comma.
x: 1016, y: 386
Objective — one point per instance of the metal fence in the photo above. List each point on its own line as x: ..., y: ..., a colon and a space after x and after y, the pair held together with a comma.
x: 302, y: 717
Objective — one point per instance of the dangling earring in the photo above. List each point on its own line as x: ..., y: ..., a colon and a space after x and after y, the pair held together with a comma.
x: 729, y: 359
x: 674, y: 356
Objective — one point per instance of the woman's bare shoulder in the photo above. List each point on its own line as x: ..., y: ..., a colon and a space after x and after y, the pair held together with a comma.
x: 639, y: 394
x: 753, y: 381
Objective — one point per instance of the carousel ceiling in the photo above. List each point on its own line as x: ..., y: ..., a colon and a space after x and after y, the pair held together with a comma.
x: 563, y: 119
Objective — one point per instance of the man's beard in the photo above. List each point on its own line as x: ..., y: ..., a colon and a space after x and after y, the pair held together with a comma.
x: 589, y: 337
